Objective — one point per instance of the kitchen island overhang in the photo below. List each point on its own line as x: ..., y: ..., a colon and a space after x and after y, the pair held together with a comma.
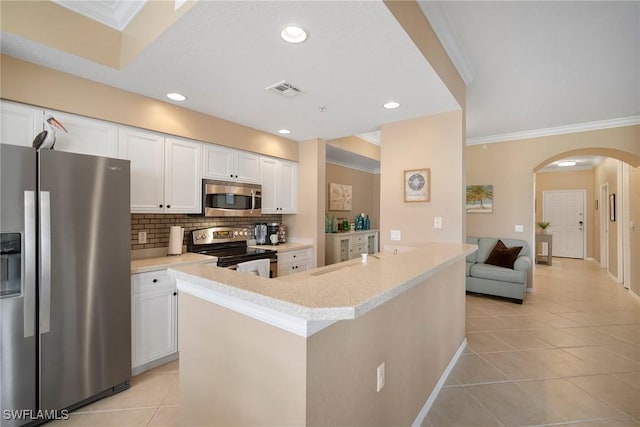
x: 304, y: 349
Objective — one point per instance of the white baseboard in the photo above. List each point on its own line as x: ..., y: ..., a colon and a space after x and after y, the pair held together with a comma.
x: 613, y: 277
x: 154, y: 364
x: 530, y: 290
x: 436, y: 390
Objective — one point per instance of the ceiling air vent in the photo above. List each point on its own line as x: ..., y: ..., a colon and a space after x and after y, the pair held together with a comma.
x: 285, y: 89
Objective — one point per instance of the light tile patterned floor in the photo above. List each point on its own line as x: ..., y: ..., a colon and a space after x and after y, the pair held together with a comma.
x: 152, y: 400
x: 570, y: 355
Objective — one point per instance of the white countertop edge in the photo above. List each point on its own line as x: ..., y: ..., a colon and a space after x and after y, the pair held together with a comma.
x: 293, y: 324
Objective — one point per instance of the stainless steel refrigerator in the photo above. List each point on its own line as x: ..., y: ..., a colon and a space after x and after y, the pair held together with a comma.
x: 65, y: 300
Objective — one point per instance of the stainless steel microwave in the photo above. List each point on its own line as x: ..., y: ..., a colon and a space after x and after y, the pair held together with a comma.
x: 222, y: 198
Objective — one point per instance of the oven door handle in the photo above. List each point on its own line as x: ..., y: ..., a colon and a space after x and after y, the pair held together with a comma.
x: 253, y: 200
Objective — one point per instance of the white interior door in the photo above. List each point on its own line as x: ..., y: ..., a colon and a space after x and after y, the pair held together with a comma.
x: 566, y: 212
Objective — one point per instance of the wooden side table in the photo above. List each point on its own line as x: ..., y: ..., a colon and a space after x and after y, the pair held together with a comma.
x: 548, y: 239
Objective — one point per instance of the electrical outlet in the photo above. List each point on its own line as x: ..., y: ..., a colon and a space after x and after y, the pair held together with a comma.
x: 437, y: 222
x: 396, y: 235
x: 519, y: 228
x: 380, y: 375
x: 142, y: 237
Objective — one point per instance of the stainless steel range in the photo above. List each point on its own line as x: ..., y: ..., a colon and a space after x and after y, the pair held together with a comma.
x: 229, y: 245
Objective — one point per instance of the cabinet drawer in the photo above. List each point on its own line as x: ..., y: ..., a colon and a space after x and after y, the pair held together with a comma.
x: 294, y: 256
x: 358, y: 239
x: 151, y: 282
x: 358, y: 249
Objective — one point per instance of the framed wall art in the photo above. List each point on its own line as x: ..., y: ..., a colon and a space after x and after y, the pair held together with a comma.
x: 340, y: 197
x: 417, y: 185
x: 479, y: 199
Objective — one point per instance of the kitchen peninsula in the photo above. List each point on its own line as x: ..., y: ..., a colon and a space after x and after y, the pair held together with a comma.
x: 309, y: 348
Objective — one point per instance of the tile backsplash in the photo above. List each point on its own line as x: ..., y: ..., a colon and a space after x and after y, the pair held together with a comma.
x: 157, y: 226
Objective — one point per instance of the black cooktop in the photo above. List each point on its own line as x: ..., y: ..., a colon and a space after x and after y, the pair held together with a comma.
x: 231, y: 253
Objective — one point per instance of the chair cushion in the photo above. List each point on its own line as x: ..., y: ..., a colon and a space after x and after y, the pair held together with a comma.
x: 503, y: 256
x: 492, y: 272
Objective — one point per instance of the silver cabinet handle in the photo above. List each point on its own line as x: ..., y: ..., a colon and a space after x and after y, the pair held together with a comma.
x: 45, y: 261
x: 253, y: 200
x: 29, y: 263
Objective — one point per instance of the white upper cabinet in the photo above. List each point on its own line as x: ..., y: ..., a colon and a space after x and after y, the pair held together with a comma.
x: 19, y: 123
x: 182, y: 184
x: 86, y: 136
x: 165, y: 173
x: 227, y: 164
x: 145, y: 150
x: 279, y: 186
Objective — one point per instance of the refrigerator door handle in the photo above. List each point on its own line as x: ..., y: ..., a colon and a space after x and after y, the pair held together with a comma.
x: 45, y: 262
x: 29, y: 292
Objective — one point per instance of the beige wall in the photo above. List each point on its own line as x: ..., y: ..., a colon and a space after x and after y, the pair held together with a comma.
x: 607, y: 173
x: 357, y: 145
x: 308, y: 223
x: 434, y: 142
x: 364, y: 190
x: 509, y: 166
x: 634, y: 190
x: 32, y: 84
x: 570, y: 180
x: 235, y: 370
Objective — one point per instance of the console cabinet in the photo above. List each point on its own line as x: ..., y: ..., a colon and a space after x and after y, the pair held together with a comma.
x: 341, y: 247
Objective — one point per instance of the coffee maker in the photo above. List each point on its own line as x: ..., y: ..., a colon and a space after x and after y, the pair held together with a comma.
x: 272, y: 230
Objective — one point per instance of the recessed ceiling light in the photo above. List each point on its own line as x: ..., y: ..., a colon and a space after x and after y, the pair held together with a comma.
x: 284, y: 131
x: 391, y: 105
x: 176, y: 97
x: 567, y: 163
x: 293, y: 34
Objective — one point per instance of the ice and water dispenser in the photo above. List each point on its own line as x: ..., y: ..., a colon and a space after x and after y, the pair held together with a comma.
x: 10, y: 264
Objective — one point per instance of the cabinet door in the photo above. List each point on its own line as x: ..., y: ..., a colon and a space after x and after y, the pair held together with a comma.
x: 247, y: 167
x: 145, y: 150
x: 19, y: 123
x: 288, y: 191
x: 218, y: 162
x: 86, y: 136
x: 154, y: 316
x: 269, y: 173
x: 182, y: 184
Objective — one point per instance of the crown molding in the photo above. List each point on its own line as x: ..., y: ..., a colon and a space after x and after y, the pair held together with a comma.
x: 559, y: 130
x: 115, y: 14
x: 439, y: 21
x: 373, y: 137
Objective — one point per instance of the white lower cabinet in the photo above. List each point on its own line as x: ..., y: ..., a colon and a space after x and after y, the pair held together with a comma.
x: 294, y: 261
x: 154, y: 320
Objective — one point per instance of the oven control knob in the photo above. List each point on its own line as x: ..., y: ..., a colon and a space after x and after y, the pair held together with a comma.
x: 235, y: 233
x: 244, y: 232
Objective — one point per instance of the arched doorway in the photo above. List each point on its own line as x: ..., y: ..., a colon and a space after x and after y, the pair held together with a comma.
x: 610, y: 211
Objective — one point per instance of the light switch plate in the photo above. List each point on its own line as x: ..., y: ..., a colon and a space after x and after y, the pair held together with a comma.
x: 396, y: 235
x: 437, y: 222
x: 519, y: 228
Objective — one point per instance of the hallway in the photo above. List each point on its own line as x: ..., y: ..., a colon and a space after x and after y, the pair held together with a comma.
x: 570, y: 355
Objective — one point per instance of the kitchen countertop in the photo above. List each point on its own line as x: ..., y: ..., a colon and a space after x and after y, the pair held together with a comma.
x: 144, y: 265
x: 339, y: 291
x: 284, y: 247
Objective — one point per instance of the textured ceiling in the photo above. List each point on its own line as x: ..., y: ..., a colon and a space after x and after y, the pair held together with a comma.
x: 222, y: 56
